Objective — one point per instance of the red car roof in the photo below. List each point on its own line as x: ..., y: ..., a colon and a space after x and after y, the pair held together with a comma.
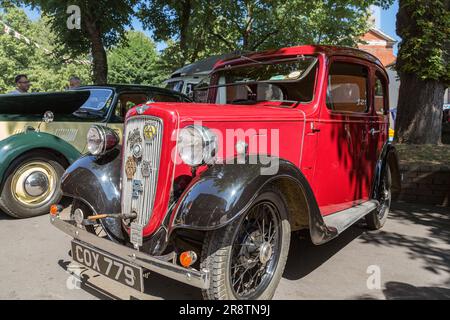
x: 299, y: 50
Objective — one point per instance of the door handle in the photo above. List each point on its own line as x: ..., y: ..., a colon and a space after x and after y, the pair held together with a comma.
x: 373, y: 131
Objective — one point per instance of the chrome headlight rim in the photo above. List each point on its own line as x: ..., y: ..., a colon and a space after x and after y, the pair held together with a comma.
x: 108, y: 139
x: 208, y: 148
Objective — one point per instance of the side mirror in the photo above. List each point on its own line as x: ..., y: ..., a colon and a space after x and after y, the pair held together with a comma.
x: 48, y: 117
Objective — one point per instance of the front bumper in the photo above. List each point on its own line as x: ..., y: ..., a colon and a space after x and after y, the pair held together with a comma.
x: 199, y: 279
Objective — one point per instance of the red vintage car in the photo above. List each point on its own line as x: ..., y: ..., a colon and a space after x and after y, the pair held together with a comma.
x: 209, y: 193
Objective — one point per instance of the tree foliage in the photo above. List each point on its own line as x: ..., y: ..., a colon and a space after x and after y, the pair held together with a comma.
x: 103, y: 24
x: 199, y: 28
x: 424, y: 27
x: 47, y: 71
x: 135, y: 60
x: 423, y: 65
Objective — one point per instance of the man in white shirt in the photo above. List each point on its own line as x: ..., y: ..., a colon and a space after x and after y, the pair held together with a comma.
x: 22, y: 84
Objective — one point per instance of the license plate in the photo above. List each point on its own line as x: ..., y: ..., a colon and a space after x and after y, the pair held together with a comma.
x: 109, y: 266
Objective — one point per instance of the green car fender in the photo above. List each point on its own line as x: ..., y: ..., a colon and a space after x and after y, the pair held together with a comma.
x: 16, y: 145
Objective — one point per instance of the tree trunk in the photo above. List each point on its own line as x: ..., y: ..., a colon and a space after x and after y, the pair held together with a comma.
x: 185, y: 17
x: 419, y: 111
x: 99, y: 58
x: 100, y: 62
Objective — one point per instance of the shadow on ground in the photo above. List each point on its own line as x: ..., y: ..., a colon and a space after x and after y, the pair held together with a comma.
x: 436, y: 220
x: 304, y: 257
x: 4, y: 216
x: 428, y: 250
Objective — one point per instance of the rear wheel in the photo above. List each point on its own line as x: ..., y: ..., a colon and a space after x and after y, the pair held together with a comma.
x: 377, y: 218
x: 246, y: 258
x: 32, y: 185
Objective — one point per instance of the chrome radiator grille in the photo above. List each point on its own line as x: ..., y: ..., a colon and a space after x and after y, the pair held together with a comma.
x: 139, y: 189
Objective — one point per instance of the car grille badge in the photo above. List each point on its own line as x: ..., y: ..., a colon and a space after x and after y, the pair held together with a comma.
x: 134, y: 138
x: 130, y: 168
x: 146, y: 169
x: 149, y: 132
x: 138, y: 188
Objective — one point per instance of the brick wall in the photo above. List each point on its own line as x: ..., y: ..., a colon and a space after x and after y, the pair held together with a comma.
x: 426, y: 184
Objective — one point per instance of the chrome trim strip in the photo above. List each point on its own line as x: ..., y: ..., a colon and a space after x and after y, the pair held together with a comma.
x: 303, y: 138
x: 199, y: 279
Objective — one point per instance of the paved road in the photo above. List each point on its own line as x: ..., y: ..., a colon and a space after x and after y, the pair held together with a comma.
x: 412, y: 253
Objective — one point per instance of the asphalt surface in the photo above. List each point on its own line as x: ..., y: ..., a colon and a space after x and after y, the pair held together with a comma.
x: 411, y: 255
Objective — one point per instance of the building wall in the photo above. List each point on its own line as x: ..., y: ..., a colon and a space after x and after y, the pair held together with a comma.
x: 380, y: 47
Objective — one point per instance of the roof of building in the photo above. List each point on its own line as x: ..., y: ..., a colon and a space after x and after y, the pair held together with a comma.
x: 383, y: 35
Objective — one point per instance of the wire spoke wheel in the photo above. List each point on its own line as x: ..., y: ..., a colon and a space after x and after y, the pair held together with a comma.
x: 255, y: 251
x: 246, y: 258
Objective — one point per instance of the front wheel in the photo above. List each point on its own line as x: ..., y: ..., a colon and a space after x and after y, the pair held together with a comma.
x: 246, y: 258
x: 32, y: 185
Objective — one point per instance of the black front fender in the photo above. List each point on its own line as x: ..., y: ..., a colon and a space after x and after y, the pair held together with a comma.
x: 223, y: 192
x: 96, y: 182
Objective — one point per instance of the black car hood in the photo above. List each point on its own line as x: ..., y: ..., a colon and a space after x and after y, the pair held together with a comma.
x: 38, y: 103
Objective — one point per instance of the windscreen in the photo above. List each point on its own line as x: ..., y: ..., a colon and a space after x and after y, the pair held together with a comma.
x: 98, y: 100
x: 289, y: 81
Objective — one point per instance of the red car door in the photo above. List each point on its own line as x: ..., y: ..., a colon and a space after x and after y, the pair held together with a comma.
x: 340, y: 179
x: 378, y: 126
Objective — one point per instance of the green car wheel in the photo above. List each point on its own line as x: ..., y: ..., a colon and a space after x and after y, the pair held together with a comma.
x: 32, y: 185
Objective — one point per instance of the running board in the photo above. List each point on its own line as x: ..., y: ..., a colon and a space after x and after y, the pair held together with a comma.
x: 343, y: 219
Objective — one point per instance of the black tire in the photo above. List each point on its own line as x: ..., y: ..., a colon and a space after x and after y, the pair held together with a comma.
x: 220, y: 248
x: 17, y: 209
x: 377, y: 218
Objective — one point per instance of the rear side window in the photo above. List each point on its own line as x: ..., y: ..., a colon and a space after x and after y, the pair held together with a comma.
x: 380, y: 95
x: 348, y: 88
x: 161, y: 97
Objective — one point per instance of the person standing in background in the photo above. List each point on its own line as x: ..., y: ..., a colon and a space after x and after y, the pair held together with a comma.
x: 74, y: 82
x: 22, y: 84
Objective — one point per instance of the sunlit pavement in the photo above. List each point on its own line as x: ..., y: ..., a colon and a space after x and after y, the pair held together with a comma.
x: 411, y: 253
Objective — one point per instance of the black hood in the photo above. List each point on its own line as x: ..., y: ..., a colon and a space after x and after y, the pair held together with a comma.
x: 38, y: 103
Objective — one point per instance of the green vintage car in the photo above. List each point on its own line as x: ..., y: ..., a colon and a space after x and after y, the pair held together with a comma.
x: 41, y: 134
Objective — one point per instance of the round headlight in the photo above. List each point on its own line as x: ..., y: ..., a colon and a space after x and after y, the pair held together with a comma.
x: 101, y: 139
x: 197, y: 145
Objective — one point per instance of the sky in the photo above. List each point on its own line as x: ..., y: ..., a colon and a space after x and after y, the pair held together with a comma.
x: 387, y: 23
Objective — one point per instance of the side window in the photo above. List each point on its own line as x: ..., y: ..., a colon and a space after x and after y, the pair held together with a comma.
x: 380, y: 95
x: 161, y: 97
x: 347, y: 88
x: 127, y: 101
